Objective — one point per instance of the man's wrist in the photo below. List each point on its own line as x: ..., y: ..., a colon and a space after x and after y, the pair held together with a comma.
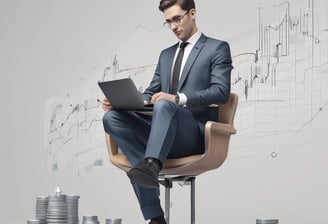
x: 181, y: 99
x: 177, y: 99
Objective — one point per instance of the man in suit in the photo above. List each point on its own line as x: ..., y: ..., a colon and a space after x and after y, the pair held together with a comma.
x: 181, y: 93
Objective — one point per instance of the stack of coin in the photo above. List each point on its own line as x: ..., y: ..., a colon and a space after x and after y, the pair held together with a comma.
x: 57, y: 209
x: 90, y: 219
x: 33, y: 221
x: 73, y: 209
x: 267, y: 221
x: 41, y: 209
x: 113, y: 221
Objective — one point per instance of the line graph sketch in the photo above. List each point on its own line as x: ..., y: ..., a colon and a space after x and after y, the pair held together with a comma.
x: 280, y: 74
x: 74, y: 135
x: 283, y: 82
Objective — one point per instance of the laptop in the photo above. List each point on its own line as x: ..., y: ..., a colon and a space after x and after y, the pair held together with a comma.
x: 123, y: 95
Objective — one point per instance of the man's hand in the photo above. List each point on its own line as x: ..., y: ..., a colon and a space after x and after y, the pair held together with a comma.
x: 162, y: 96
x: 106, y: 105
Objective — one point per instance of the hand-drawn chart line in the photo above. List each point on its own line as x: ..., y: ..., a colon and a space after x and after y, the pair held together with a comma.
x: 283, y: 147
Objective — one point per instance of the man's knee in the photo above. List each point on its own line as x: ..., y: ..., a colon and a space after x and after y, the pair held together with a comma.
x: 109, y: 119
x: 165, y: 105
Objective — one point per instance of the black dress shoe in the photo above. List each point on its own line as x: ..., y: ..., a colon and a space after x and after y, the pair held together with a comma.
x: 155, y: 222
x: 158, y: 220
x: 146, y: 174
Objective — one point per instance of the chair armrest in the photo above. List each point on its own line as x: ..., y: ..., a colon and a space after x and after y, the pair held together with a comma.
x: 111, y: 145
x: 217, y: 137
x: 216, y: 127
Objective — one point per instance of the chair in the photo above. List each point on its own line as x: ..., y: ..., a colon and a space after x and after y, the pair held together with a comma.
x: 185, y: 170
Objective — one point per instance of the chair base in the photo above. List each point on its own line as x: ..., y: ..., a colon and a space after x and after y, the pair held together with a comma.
x: 167, y: 182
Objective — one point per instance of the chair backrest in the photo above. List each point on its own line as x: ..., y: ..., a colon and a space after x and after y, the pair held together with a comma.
x: 227, y: 111
x: 217, y: 138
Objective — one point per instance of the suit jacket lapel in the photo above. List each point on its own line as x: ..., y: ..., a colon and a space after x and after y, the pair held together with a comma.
x: 191, y: 59
x: 168, y: 75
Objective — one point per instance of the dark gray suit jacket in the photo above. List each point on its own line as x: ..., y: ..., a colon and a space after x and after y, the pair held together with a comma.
x: 205, y: 78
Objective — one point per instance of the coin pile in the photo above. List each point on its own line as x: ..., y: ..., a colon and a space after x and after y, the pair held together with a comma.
x: 73, y: 209
x: 267, y: 221
x: 90, y: 219
x: 41, y: 209
x: 113, y: 221
x: 33, y: 221
x: 57, y: 209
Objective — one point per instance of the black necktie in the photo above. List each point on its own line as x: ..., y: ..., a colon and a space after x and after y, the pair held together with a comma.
x: 177, y: 68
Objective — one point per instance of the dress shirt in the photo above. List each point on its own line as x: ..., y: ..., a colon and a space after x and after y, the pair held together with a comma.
x: 191, y: 43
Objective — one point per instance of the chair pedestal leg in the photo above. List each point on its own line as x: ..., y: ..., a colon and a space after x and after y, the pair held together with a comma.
x: 192, y: 200
x: 167, y: 204
x: 168, y: 184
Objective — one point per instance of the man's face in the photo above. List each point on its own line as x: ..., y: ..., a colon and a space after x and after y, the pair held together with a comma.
x: 182, y: 22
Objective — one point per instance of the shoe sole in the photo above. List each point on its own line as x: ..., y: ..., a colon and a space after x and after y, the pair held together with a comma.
x: 142, y: 179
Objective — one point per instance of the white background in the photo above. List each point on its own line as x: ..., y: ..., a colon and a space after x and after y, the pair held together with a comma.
x: 47, y: 47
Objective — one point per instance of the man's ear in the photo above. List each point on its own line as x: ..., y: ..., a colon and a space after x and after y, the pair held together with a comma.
x: 193, y: 12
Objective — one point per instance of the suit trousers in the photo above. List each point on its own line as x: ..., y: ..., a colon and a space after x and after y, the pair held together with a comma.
x: 170, y: 132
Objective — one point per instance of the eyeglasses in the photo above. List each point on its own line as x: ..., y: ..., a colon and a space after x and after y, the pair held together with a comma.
x: 177, y: 20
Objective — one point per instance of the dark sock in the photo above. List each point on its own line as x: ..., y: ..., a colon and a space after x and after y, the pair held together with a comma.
x: 157, y: 161
x: 159, y: 219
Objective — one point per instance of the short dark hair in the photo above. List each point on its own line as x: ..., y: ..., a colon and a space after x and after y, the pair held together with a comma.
x: 184, y: 4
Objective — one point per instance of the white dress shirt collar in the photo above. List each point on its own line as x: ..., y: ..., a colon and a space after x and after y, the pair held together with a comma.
x: 193, y: 39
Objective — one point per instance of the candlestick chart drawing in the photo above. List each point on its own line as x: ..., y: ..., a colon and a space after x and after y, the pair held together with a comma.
x: 283, y: 81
